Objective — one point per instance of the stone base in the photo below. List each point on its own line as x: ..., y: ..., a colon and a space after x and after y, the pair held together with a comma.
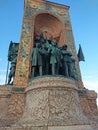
x: 73, y: 127
x: 52, y: 101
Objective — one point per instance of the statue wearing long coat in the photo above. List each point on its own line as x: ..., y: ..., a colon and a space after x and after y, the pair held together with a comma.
x: 36, y: 57
x: 53, y: 58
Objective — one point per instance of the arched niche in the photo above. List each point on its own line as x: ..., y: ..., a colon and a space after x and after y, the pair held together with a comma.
x: 50, y: 25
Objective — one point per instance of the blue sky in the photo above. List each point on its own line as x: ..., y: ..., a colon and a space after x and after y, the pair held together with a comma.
x: 84, y: 20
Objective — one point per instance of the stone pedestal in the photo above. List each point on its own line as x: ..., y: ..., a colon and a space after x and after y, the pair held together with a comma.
x: 52, y: 103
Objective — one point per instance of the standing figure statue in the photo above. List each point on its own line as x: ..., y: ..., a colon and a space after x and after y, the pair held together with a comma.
x: 53, y: 58
x: 12, y: 58
x: 73, y: 68
x: 47, y: 47
x: 59, y: 60
x: 66, y: 61
x: 36, y: 58
x: 12, y: 70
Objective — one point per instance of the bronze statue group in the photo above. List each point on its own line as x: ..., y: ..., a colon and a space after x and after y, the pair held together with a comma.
x: 47, y: 58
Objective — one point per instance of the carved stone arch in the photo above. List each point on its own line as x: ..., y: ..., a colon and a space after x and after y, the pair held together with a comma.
x: 50, y: 25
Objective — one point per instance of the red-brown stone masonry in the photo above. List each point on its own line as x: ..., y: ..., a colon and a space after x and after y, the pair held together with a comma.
x: 44, y: 2
x: 60, y: 26
x: 93, y: 106
x: 22, y: 81
x: 84, y: 104
x: 80, y: 85
x: 16, y: 105
x: 88, y: 105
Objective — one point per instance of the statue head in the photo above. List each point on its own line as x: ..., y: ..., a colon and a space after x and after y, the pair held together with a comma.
x: 64, y: 47
x: 37, y: 45
x: 54, y: 43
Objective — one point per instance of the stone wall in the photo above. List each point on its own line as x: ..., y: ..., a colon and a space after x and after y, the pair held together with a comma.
x: 88, y: 100
x: 11, y: 105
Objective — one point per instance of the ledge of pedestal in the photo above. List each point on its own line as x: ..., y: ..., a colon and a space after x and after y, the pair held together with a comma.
x: 50, y: 82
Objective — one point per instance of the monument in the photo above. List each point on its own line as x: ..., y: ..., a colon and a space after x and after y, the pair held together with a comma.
x: 44, y: 90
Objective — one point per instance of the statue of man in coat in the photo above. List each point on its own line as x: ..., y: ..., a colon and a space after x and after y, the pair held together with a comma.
x: 67, y: 61
x: 36, y: 60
